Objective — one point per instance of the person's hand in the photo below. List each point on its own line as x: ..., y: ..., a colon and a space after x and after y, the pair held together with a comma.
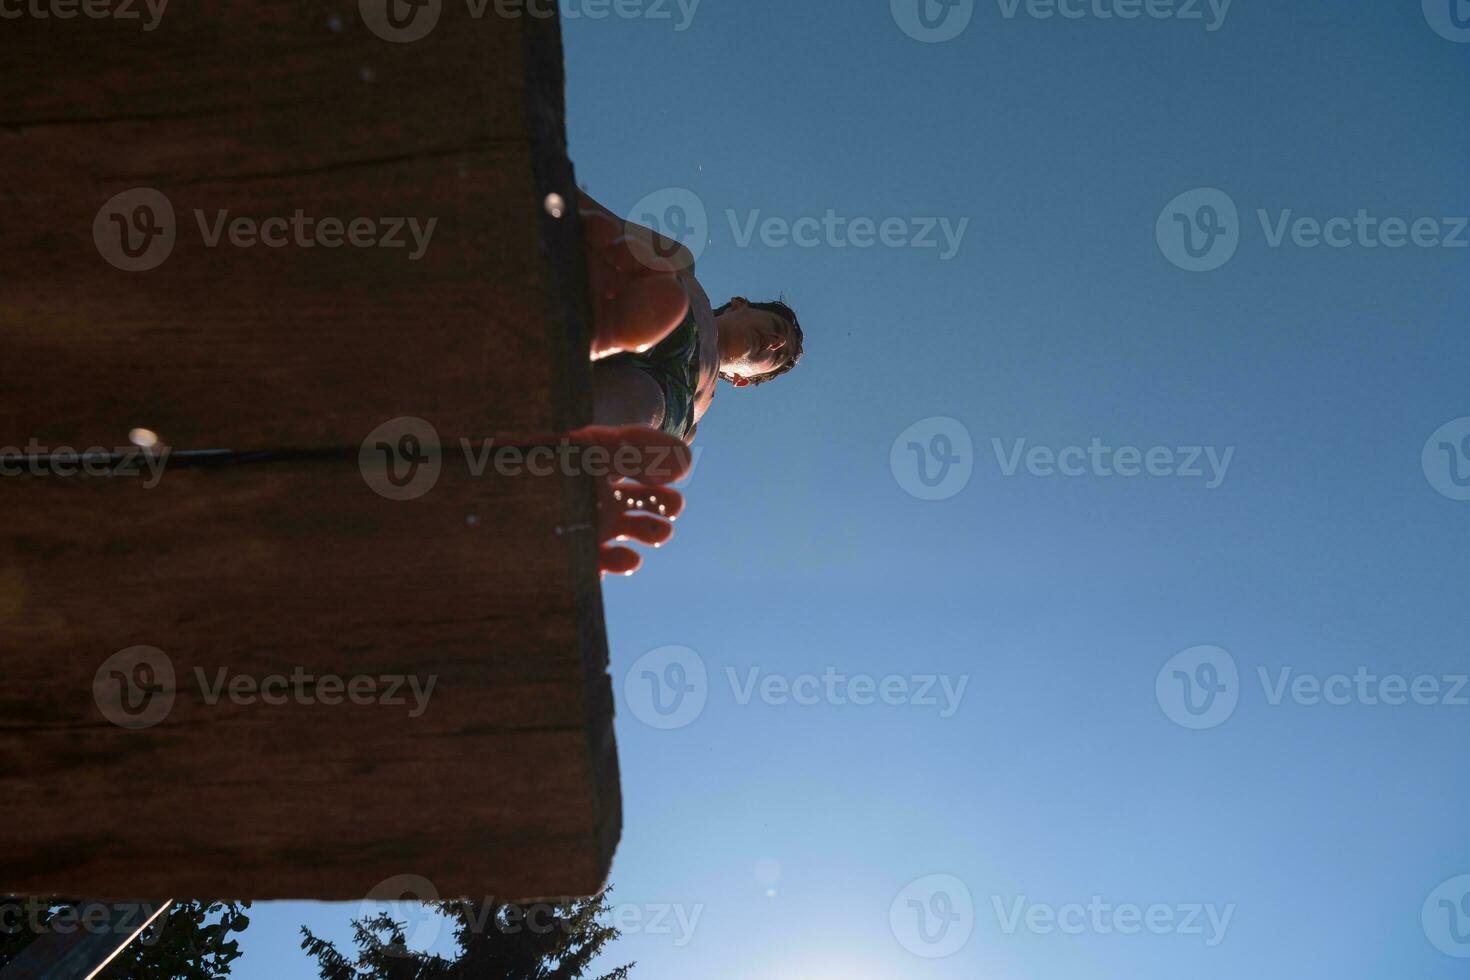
x: 636, y: 502
x: 637, y: 299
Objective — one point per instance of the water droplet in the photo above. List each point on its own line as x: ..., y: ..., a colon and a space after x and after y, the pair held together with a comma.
x: 473, y: 520
x: 334, y: 24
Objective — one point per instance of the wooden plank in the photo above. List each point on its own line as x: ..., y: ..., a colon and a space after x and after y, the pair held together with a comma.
x: 258, y: 110
x: 286, y: 558
x: 506, y: 784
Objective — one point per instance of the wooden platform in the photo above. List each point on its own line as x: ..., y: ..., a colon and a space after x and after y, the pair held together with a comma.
x: 276, y: 555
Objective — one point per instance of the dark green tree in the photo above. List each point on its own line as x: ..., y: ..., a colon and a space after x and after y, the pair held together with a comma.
x: 192, y: 942
x: 495, y: 941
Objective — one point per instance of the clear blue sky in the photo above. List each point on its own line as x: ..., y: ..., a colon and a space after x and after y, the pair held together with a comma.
x: 793, y: 828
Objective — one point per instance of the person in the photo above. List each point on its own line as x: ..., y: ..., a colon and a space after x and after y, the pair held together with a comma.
x: 658, y: 346
x: 659, y: 351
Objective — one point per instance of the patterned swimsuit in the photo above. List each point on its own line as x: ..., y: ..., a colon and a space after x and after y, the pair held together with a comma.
x: 674, y: 363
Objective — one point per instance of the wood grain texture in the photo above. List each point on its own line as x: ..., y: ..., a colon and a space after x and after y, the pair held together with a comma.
x: 258, y: 109
x: 287, y: 558
x: 257, y: 570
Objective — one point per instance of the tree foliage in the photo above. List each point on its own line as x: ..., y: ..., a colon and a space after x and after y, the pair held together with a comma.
x: 494, y: 941
x: 192, y: 941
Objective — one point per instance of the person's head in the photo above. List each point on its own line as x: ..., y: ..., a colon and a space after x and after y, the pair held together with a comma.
x: 758, y: 341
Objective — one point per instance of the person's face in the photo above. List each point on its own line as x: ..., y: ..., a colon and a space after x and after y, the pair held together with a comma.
x: 752, y: 341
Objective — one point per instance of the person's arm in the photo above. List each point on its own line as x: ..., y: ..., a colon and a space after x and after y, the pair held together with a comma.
x: 665, y: 248
x: 637, y: 298
x: 625, y: 395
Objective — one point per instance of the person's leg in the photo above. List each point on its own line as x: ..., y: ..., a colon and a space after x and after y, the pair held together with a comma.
x: 637, y: 299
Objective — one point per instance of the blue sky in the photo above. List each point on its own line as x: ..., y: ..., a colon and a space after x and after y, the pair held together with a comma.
x: 808, y: 838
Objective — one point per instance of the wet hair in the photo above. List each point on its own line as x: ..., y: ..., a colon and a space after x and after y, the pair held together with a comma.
x: 793, y: 350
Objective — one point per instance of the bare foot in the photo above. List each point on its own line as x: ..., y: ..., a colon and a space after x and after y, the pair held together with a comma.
x: 637, y: 299
x: 636, y: 503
